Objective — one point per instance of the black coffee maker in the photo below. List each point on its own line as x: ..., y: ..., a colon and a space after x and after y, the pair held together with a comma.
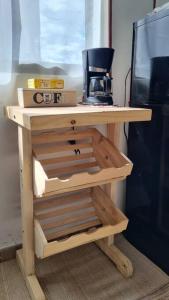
x: 97, y: 87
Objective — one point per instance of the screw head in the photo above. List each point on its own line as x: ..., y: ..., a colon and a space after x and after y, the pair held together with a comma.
x: 73, y: 122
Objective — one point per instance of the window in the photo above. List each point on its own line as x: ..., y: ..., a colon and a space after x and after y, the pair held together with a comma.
x: 48, y: 36
x: 53, y: 33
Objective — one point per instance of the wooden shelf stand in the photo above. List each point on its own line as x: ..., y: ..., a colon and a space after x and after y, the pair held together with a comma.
x: 68, y: 171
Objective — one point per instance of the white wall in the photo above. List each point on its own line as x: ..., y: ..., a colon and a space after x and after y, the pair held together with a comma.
x: 125, y: 12
x: 9, y: 183
x: 161, y: 2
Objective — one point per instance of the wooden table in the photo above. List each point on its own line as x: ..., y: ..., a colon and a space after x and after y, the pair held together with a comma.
x: 37, y: 134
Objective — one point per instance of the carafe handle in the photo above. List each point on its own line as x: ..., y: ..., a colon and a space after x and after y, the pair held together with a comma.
x: 107, y: 85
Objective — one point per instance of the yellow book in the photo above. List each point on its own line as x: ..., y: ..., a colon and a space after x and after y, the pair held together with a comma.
x: 38, y: 83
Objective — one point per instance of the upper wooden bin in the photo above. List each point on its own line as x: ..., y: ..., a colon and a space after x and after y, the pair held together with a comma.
x: 75, y: 159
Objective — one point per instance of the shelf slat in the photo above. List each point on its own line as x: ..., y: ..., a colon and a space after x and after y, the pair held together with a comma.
x: 72, y: 169
x: 69, y: 158
x: 60, y: 148
x: 70, y: 219
x: 60, y: 200
x: 72, y: 229
x: 51, y: 137
x: 62, y: 211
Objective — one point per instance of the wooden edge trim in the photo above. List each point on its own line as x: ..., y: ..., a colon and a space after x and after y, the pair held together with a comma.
x: 85, y: 178
x: 75, y: 188
x: 127, y: 159
x: 85, y: 119
x: 83, y: 238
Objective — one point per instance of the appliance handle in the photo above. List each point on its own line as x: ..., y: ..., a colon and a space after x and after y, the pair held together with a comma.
x: 107, y: 85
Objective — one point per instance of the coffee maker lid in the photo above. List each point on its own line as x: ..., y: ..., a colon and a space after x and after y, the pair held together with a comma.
x: 100, y: 57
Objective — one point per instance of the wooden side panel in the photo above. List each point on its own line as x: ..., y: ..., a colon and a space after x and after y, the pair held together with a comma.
x: 105, y: 208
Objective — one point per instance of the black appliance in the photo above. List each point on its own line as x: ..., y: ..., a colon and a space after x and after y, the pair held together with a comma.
x: 147, y: 191
x: 97, y: 87
x: 159, y: 80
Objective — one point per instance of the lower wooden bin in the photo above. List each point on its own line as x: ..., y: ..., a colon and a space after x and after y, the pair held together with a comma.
x: 68, y: 221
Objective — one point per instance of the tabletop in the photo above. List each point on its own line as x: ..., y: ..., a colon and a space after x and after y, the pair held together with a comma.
x: 82, y: 115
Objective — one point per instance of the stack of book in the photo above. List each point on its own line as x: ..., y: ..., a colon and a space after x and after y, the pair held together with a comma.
x: 46, y: 92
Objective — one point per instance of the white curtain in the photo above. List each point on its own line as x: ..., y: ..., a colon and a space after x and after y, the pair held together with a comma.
x: 48, y: 36
x: 5, y: 41
x: 96, y: 22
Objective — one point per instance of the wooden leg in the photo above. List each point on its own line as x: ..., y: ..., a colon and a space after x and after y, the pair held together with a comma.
x: 122, y: 263
x: 32, y: 283
x: 25, y: 257
x: 110, y: 191
x: 25, y: 161
x: 113, y: 134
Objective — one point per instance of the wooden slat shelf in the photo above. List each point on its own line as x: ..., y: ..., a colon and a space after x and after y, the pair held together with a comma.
x: 61, y: 117
x: 98, y: 160
x: 65, y: 222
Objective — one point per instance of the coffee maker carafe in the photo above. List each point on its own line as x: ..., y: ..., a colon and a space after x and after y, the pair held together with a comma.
x: 97, y: 80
